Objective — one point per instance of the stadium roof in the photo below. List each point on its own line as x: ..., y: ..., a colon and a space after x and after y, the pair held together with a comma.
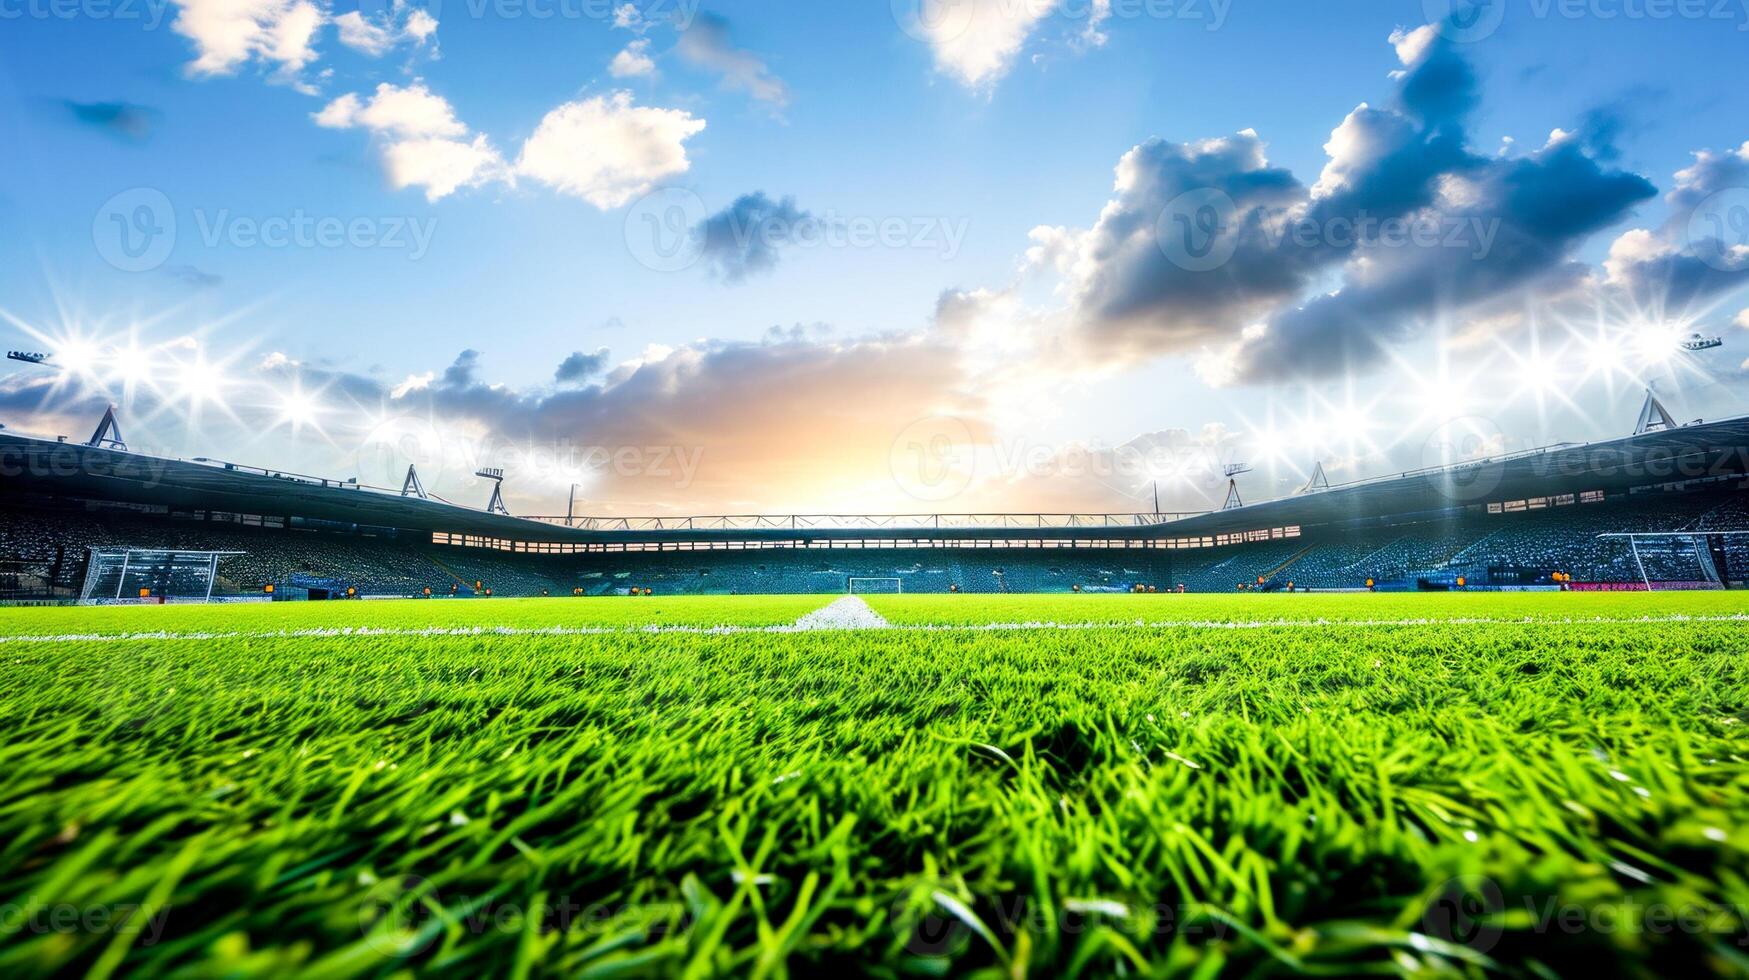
x: 71, y: 470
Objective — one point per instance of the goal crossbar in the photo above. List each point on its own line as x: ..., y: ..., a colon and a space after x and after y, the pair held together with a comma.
x: 1633, y: 539
x: 858, y: 585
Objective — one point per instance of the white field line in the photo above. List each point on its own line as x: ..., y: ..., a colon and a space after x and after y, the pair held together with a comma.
x: 804, y: 625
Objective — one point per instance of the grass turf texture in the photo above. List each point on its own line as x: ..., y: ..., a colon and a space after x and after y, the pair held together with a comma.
x: 618, y: 612
x: 1161, y: 800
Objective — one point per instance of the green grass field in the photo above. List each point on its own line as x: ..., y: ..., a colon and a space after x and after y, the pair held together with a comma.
x: 1164, y: 786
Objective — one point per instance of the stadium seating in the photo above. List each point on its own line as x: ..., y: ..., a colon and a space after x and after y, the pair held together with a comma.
x: 45, y: 549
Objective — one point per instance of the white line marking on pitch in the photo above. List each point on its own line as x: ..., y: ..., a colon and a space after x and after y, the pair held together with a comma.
x: 808, y: 624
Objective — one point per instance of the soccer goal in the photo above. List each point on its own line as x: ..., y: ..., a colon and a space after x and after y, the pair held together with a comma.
x: 876, y: 586
x: 131, y: 575
x: 1685, y: 560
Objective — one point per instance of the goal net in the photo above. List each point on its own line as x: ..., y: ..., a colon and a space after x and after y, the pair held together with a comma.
x: 130, y: 575
x: 876, y: 586
x: 1684, y: 560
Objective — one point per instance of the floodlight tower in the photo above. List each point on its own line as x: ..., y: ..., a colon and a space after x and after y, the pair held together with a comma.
x: 1234, y: 471
x: 496, y: 504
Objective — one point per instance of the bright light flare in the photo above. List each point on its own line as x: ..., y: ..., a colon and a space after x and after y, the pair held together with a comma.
x: 1539, y: 375
x: 1606, y: 356
x: 298, y: 408
x: 1658, y: 344
x: 200, y: 381
x: 77, y: 356
x: 1271, y: 445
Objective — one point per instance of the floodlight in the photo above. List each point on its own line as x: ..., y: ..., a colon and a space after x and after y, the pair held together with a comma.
x: 200, y: 381
x: 76, y: 356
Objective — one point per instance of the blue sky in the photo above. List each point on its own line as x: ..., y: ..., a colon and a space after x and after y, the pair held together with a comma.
x: 501, y: 174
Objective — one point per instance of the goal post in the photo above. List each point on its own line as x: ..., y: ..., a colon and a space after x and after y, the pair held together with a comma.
x: 876, y: 586
x: 133, y: 575
x: 1682, y: 560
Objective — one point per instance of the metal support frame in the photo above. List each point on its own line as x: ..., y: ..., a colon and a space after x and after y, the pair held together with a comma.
x: 108, y: 434
x: 1234, y: 471
x: 1653, y: 417
x: 496, y: 504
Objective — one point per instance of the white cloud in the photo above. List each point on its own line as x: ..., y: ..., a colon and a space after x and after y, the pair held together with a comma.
x: 413, y: 111
x: 1633, y: 248
x: 1091, y: 36
x: 229, y: 33
x: 363, y: 36
x: 634, y: 61
x: 342, y: 113
x: 426, y: 145
x: 606, y: 150
x: 1743, y: 319
x: 414, y: 382
x: 627, y: 17
x: 976, y: 41
x: 441, y: 166
x: 420, y: 26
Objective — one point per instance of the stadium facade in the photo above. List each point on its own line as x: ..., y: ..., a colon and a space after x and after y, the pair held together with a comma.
x: 95, y: 520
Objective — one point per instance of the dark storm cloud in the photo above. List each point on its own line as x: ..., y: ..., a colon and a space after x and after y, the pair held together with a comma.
x: 462, y: 371
x: 1539, y: 208
x: 123, y: 120
x: 1404, y: 222
x: 580, y: 366
x: 743, y: 239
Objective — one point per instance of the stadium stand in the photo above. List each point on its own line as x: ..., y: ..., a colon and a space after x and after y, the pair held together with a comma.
x: 1547, y: 521
x: 1486, y: 550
